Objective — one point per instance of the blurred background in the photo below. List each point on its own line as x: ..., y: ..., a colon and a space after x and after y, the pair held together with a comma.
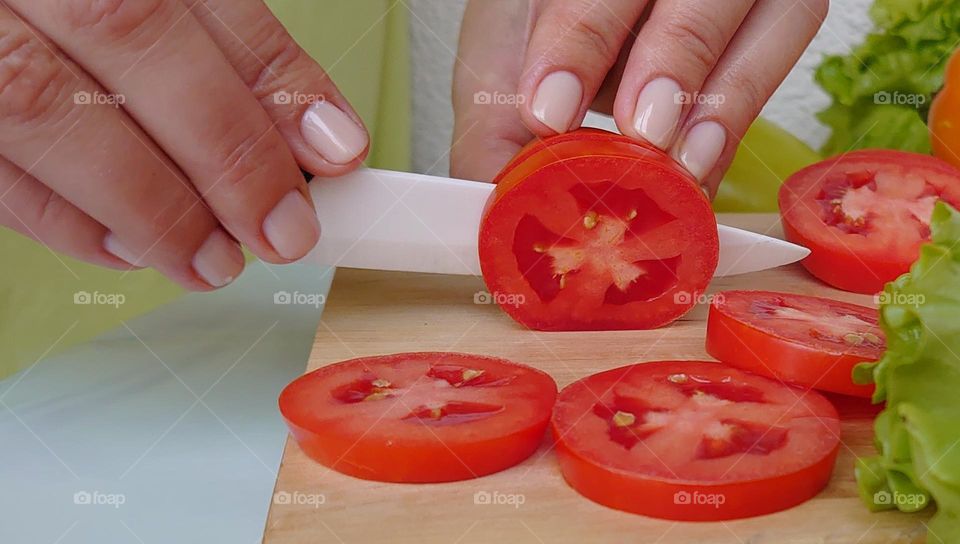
x: 165, y: 403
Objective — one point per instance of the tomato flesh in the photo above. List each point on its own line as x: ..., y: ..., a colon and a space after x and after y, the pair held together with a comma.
x: 804, y: 340
x: 419, y: 417
x: 865, y: 214
x: 597, y: 231
x: 689, y: 440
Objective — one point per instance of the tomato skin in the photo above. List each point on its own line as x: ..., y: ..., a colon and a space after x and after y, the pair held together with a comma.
x: 841, y: 268
x: 944, y: 117
x: 860, y: 262
x: 735, y: 342
x: 658, y: 499
x: 547, y: 167
x: 668, y: 496
x: 385, y: 448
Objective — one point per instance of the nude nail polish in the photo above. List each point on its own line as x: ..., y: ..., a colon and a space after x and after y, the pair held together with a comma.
x: 701, y: 148
x: 332, y: 133
x: 292, y: 227
x: 658, y: 111
x: 556, y: 102
x: 219, y: 259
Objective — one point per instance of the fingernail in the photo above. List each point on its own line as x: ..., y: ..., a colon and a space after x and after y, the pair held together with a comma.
x: 292, y: 227
x: 332, y: 133
x: 658, y: 111
x: 557, y: 100
x: 114, y: 247
x: 219, y: 260
x: 702, y: 147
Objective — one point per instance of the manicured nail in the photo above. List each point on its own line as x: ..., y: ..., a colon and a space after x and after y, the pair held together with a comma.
x: 658, y: 111
x: 114, y: 247
x: 702, y: 147
x: 332, y: 133
x: 219, y: 260
x: 557, y: 100
x: 292, y: 227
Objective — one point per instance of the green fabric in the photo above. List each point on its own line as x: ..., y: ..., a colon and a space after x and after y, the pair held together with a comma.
x: 363, y: 45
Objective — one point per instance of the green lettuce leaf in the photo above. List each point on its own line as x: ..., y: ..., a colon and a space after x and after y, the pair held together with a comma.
x: 882, y: 90
x: 918, y: 433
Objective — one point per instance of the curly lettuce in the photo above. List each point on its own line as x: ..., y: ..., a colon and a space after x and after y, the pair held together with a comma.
x: 918, y: 433
x: 882, y: 90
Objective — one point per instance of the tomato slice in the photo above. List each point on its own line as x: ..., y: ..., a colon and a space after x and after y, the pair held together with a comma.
x: 419, y: 417
x: 693, y: 441
x: 865, y: 214
x: 808, y: 341
x: 592, y: 230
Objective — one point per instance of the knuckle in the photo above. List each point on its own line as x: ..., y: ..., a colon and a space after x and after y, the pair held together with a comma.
x: 698, y: 36
x: 112, y: 20
x: 597, y: 38
x: 751, y: 92
x: 31, y: 78
x: 280, y: 63
x: 247, y: 161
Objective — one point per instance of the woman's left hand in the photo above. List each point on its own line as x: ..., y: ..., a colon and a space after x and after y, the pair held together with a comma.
x: 689, y: 76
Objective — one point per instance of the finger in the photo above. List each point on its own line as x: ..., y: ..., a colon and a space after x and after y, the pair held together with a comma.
x: 674, y: 53
x: 573, y: 46
x: 32, y: 209
x: 179, y: 87
x: 760, y: 56
x: 326, y: 136
x: 53, y: 125
x: 488, y: 130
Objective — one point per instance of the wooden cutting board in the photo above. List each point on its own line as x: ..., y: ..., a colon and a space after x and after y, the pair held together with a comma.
x: 372, y: 313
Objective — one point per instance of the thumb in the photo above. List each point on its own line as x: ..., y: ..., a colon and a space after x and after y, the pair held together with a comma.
x: 488, y: 130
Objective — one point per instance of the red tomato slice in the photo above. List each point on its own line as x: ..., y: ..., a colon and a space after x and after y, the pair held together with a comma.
x: 693, y: 441
x: 808, y: 341
x: 592, y: 230
x: 865, y: 214
x: 419, y: 417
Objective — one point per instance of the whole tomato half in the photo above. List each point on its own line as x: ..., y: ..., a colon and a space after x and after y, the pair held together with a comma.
x: 593, y: 230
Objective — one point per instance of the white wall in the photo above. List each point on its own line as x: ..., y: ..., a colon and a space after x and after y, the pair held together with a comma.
x: 434, y: 25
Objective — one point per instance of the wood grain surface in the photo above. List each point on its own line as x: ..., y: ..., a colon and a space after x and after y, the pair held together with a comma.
x: 372, y: 312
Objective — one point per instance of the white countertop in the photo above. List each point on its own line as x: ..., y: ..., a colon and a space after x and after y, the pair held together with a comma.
x: 167, y: 427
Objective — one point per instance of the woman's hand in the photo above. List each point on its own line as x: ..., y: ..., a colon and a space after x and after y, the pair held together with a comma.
x: 689, y: 76
x: 162, y: 132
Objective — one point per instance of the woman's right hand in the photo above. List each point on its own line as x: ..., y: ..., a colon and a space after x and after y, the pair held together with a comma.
x: 162, y: 132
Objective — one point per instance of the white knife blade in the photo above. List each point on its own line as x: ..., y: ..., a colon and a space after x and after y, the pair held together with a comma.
x: 385, y: 220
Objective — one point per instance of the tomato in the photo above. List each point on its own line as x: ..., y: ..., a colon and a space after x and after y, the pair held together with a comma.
x: 592, y: 230
x: 944, y: 118
x: 808, y: 341
x: 865, y: 214
x: 693, y: 441
x: 419, y: 417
